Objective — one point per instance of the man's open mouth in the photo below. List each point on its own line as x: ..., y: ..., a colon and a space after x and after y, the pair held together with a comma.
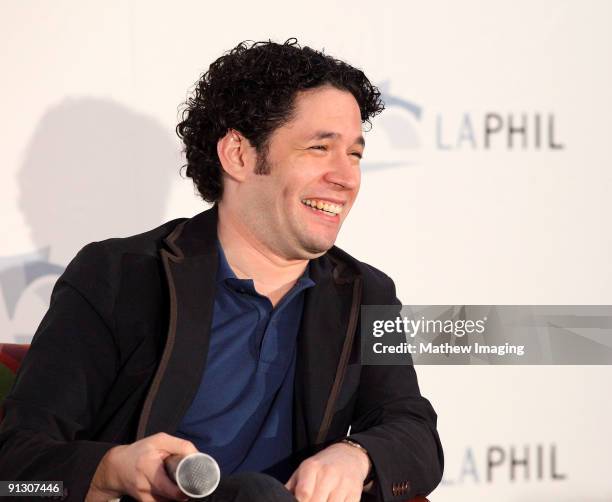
x: 323, y: 206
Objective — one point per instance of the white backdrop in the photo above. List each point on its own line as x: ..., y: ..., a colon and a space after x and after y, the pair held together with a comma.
x: 89, y: 104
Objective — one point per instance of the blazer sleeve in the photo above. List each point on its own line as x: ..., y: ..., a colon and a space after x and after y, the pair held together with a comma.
x: 62, y: 382
x: 397, y: 426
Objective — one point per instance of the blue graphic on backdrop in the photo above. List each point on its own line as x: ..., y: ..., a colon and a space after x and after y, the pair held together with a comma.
x: 25, y: 286
x: 399, y: 123
x: 18, y: 272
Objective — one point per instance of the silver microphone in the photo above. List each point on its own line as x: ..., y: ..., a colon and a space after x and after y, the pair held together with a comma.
x: 197, y: 475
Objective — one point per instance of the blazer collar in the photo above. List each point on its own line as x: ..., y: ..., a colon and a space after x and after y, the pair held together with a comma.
x: 196, y: 236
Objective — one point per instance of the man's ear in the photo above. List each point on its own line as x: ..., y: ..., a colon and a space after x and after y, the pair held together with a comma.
x: 236, y: 155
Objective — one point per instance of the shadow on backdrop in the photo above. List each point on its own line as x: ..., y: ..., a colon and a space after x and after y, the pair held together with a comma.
x: 93, y: 169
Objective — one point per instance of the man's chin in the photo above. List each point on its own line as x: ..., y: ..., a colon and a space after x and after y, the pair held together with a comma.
x: 316, y: 249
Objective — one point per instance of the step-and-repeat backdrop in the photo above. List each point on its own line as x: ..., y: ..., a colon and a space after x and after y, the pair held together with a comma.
x: 485, y: 182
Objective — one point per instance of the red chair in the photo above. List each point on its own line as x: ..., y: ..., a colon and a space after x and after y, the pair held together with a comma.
x: 11, y: 355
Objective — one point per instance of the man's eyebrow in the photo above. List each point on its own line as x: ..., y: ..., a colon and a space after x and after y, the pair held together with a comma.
x: 334, y: 135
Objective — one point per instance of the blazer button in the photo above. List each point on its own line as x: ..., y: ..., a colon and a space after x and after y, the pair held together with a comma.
x: 395, y: 489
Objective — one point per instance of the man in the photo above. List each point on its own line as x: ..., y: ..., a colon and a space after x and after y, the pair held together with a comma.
x: 234, y: 332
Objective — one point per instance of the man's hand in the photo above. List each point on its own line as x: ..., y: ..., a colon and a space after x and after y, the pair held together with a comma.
x: 335, y: 474
x: 138, y: 470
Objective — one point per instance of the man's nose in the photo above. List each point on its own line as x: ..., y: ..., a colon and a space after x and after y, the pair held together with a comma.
x: 344, y: 171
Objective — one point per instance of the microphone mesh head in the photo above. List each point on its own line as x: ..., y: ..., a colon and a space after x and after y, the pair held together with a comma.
x: 198, y: 475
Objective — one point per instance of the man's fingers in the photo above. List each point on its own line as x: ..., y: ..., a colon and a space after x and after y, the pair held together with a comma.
x: 173, y: 445
x: 152, y: 498
x: 326, y: 485
x: 305, y: 482
x: 353, y: 496
x: 347, y: 491
x: 291, y: 483
x: 162, y: 485
x: 158, y: 498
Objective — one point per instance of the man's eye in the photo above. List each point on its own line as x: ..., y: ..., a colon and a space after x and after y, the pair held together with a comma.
x: 357, y: 154
x: 318, y: 147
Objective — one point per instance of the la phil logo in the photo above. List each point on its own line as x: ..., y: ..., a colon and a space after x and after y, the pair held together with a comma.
x: 525, y: 463
x: 492, y: 129
x: 408, y: 126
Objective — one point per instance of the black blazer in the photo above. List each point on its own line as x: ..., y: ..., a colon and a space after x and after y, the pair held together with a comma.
x: 121, y: 350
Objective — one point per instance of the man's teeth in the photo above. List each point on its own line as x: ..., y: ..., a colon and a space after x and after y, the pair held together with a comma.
x: 323, y: 206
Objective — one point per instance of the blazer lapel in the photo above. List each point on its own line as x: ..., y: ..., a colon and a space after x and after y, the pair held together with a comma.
x: 190, y: 267
x: 320, y: 342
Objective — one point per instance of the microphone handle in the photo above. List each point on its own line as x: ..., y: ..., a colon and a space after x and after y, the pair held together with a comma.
x: 171, y: 463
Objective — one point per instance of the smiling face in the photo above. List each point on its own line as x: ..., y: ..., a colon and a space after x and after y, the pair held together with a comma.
x: 297, y: 209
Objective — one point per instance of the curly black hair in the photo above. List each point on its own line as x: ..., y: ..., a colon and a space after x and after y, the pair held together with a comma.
x: 252, y: 89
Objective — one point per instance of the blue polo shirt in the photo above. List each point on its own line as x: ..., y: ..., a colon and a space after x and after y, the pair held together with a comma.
x: 242, y: 412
